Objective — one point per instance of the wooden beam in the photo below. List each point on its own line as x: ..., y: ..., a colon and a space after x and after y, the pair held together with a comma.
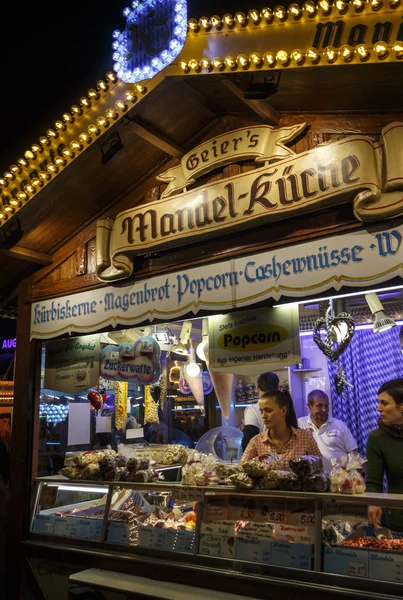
x: 260, y: 107
x: 154, y: 137
x: 28, y: 255
x: 199, y: 97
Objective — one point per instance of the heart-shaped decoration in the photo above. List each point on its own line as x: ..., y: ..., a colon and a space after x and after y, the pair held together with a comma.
x: 341, y: 326
x: 96, y: 399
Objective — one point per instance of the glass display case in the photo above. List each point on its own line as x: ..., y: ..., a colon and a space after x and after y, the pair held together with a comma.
x: 313, y: 536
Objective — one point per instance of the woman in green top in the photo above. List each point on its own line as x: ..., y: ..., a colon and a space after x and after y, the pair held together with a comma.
x: 385, y: 452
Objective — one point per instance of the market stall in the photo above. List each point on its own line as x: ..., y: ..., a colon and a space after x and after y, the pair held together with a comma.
x: 222, y: 195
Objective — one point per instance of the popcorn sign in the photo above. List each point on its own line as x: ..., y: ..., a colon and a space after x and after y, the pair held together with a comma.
x: 140, y: 361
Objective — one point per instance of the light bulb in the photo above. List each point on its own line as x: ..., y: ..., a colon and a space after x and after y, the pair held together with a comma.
x: 362, y: 52
x: 313, y: 55
x: 202, y: 350
x: 267, y: 14
x: 282, y: 57
x: 280, y: 12
x: 398, y: 48
x: 192, y: 369
x: 310, y: 8
x: 297, y: 56
x: 295, y: 11
x: 346, y: 53
x: 270, y: 59
x: 381, y: 50
x: 229, y: 20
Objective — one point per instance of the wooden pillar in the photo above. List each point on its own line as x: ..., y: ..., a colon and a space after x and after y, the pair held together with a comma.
x: 24, y: 436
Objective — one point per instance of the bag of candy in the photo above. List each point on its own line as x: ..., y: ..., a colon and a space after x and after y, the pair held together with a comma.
x: 337, y: 474
x: 303, y: 466
x: 354, y: 482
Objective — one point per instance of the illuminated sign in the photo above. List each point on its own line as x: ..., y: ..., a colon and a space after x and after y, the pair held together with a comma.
x: 9, y: 344
x: 354, y: 169
x: 154, y: 35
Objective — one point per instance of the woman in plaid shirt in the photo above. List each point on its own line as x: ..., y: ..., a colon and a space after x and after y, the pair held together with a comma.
x: 282, y: 435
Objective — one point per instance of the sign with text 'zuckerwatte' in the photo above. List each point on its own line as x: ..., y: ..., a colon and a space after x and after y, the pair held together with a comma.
x: 359, y: 259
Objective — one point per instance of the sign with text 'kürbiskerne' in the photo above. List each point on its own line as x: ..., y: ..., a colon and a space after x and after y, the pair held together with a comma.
x: 285, y: 184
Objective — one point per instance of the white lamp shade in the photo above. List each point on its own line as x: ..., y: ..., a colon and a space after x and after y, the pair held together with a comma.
x: 201, y: 350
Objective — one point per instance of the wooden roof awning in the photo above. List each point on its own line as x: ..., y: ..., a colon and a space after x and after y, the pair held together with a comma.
x: 113, y: 143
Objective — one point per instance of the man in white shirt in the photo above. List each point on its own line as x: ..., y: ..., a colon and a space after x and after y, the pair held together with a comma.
x: 332, y: 435
x: 266, y: 382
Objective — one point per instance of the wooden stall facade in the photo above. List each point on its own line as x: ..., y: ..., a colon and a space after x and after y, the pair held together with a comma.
x: 156, y: 123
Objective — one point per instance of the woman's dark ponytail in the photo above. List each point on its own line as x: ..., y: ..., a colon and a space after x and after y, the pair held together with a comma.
x: 283, y: 398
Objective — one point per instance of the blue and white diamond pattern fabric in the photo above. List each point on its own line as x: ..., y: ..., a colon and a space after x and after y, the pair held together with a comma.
x: 369, y: 361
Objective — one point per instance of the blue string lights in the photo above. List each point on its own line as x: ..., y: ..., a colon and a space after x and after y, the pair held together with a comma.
x: 154, y: 35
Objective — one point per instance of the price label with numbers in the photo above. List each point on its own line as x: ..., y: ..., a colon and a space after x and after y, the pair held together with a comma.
x: 385, y: 566
x: 185, y: 541
x: 89, y: 529
x: 218, y: 527
x: 300, y: 512
x: 151, y: 537
x: 346, y: 561
x: 47, y: 498
x: 257, y: 551
x: 243, y: 508
x: 296, y: 556
x: 118, y: 533
x: 216, y: 545
x: 44, y: 524
x: 272, y: 510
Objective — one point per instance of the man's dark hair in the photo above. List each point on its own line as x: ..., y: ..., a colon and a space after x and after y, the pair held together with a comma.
x: 267, y: 382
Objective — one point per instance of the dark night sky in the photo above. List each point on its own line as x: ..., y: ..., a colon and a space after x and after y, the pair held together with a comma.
x: 49, y: 59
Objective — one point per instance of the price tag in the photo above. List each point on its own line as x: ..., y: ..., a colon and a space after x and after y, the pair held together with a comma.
x: 385, y: 566
x: 254, y: 530
x: 151, y: 537
x: 348, y: 561
x: 300, y: 512
x: 344, y: 511
x: 170, y: 540
x: 218, y: 527
x: 179, y: 541
x: 118, y: 533
x: 293, y: 533
x: 296, y: 556
x: 89, y: 529
x: 43, y: 524
x: 216, y: 508
x: 257, y: 551
x: 272, y: 510
x: 216, y: 545
x: 48, y: 496
x: 185, y: 541
x: 188, y: 494
x: 63, y: 527
x: 242, y: 508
